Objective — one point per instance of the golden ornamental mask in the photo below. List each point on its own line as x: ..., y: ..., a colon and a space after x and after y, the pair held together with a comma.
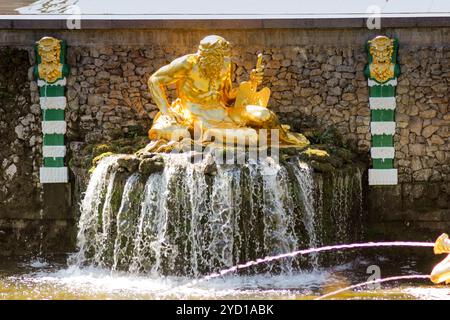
x: 49, y: 50
x: 381, y: 49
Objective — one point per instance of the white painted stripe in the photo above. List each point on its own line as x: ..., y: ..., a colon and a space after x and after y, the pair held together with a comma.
x: 53, y: 103
x: 383, y: 177
x: 60, y: 82
x: 53, y: 175
x: 50, y: 127
x: 382, y: 127
x: 382, y: 152
x: 392, y: 82
x: 387, y: 103
x: 54, y: 151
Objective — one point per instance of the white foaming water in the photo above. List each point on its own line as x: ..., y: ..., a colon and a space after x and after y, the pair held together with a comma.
x: 303, y: 174
x: 278, y: 213
x: 126, y: 224
x: 430, y: 293
x: 185, y: 221
x: 408, y: 277
x: 92, y: 280
x: 38, y: 263
x: 88, y: 223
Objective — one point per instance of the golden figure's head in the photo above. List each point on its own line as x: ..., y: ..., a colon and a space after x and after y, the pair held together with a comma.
x: 49, y: 50
x: 381, y: 48
x: 214, y: 56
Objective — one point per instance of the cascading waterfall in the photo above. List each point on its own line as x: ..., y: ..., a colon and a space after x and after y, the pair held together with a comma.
x: 185, y: 221
x: 304, y: 179
x: 90, y: 206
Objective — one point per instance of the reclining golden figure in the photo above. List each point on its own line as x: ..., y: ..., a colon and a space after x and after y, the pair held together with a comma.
x: 441, y: 272
x: 208, y: 104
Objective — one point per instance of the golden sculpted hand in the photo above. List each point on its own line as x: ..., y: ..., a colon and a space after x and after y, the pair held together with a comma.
x: 257, y: 74
x: 442, y: 244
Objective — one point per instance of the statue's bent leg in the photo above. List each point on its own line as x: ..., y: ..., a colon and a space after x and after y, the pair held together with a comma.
x: 257, y: 114
x: 165, y: 127
x: 166, y: 133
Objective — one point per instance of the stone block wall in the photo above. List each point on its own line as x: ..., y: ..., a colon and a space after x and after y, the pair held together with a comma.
x: 19, y: 138
x: 322, y: 84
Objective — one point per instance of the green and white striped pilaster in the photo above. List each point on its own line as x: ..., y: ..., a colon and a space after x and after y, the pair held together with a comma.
x: 53, y: 103
x: 382, y: 125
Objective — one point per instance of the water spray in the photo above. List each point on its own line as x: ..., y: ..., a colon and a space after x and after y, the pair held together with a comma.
x: 304, y: 252
x: 416, y: 276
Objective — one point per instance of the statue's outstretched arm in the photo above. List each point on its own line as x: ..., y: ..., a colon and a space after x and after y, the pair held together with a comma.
x: 165, y: 76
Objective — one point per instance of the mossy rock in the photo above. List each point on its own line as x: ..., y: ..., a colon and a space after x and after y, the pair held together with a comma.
x: 315, y: 154
x: 329, y: 136
x: 337, y: 162
x: 101, y: 148
x: 322, y: 166
x: 151, y: 165
x: 97, y: 159
x: 345, y: 154
x: 88, y: 149
x: 292, y: 151
x: 127, y: 149
x: 130, y: 163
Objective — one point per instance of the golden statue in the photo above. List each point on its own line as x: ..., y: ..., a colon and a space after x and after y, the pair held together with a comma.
x: 441, y: 272
x: 50, y: 67
x: 207, y: 105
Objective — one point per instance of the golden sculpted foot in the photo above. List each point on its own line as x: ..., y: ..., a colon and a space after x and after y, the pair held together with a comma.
x: 441, y: 272
x: 208, y: 106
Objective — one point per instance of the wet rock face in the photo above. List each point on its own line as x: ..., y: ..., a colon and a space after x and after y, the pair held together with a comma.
x: 151, y: 165
x: 129, y: 162
x: 20, y: 142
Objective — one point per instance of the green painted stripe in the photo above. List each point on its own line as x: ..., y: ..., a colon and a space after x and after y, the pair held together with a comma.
x: 53, y: 139
x: 382, y: 140
x: 53, y: 115
x: 51, y: 91
x: 382, y: 115
x: 382, y: 91
x: 382, y: 163
x: 53, y: 162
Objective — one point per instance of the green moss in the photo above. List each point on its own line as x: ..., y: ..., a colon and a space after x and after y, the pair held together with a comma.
x: 87, y: 149
x: 316, y: 153
x: 329, y: 135
x: 97, y: 159
x: 100, y: 157
x: 101, y: 148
